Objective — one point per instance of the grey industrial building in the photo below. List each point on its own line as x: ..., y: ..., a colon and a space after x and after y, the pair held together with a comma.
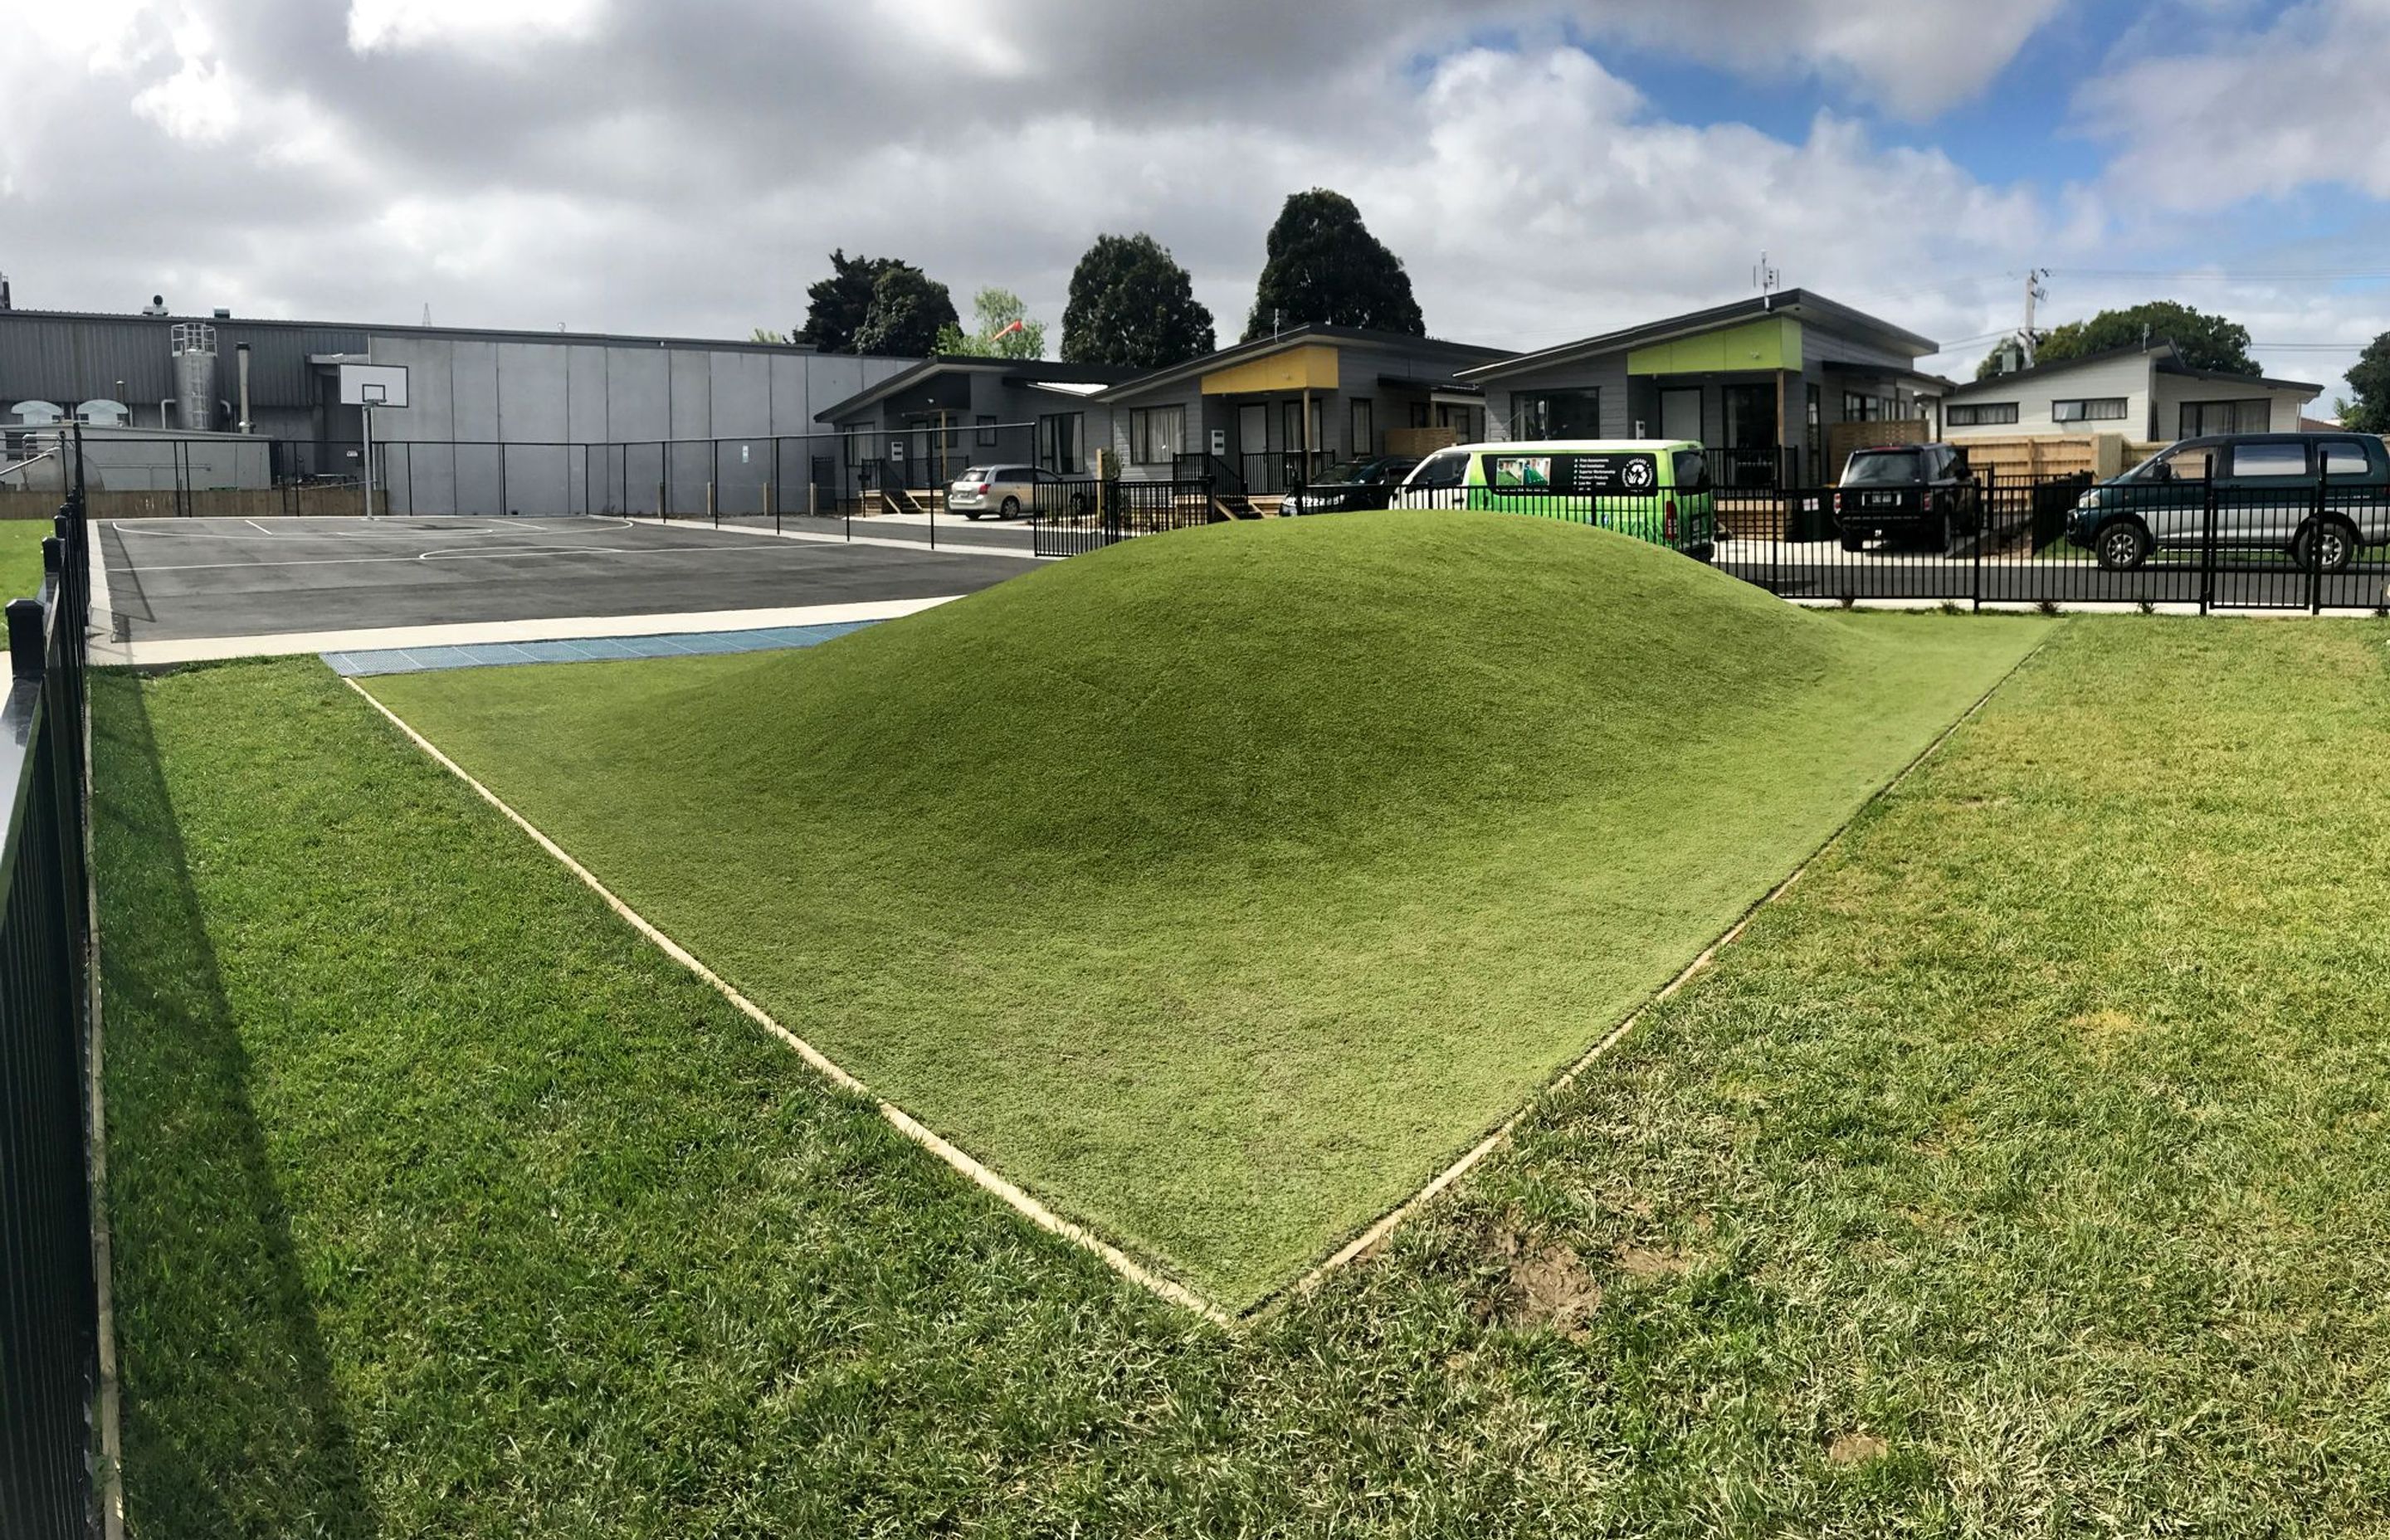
x: 496, y: 421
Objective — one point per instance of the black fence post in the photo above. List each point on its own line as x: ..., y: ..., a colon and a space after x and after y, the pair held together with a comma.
x: 1984, y: 508
x: 2207, y: 544
x: 2315, y: 537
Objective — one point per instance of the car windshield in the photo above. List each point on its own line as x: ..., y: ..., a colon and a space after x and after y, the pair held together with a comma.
x: 1880, y: 470
x: 1447, y: 469
x: 1342, y: 475
x: 976, y: 473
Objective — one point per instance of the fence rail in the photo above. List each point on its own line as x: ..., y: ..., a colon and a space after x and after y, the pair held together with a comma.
x: 49, y: 1333
x: 1082, y: 515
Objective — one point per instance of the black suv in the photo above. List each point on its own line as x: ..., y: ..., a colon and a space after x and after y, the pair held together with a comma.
x: 1920, y: 493
x: 1353, y: 485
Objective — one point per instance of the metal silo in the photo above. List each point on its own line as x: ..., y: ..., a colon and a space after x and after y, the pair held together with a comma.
x: 194, y: 345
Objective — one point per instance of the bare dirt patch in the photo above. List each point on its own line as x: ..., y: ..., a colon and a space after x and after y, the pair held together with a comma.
x: 1857, y: 1447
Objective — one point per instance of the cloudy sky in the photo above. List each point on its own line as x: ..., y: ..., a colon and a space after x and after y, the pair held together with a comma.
x: 1546, y: 169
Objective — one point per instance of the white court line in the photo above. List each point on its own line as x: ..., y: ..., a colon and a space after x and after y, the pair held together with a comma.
x: 904, y: 1122
x: 258, y: 527
x: 196, y: 650
x: 807, y: 538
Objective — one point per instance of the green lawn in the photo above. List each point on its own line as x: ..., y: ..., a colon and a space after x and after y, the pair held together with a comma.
x: 1221, y: 889
x: 20, y: 557
x: 2022, y: 1172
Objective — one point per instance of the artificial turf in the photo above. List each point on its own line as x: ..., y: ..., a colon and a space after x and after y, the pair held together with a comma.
x: 1221, y: 888
x: 2019, y: 1173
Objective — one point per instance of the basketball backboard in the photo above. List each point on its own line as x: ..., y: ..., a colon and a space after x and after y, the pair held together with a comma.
x: 373, y: 384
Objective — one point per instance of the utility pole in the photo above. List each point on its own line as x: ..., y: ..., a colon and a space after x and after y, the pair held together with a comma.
x: 2033, y: 293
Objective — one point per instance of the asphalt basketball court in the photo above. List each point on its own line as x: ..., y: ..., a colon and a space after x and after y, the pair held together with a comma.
x: 183, y: 589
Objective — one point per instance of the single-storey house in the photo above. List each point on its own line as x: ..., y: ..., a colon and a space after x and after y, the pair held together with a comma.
x: 1261, y: 416
x: 2146, y: 393
x: 1763, y: 380
x: 921, y: 427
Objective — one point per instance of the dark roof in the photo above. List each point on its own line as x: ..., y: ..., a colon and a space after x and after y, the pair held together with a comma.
x: 1429, y: 382
x: 1457, y: 353
x: 2179, y: 367
x: 1020, y: 371
x: 2161, y: 349
x: 2164, y: 357
x: 1797, y: 302
x: 1849, y: 365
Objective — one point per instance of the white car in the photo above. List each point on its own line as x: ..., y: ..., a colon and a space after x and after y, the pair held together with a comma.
x: 1010, y: 491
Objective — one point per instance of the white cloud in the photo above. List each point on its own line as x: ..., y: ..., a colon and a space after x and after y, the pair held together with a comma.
x: 2251, y: 112
x: 480, y: 24
x: 612, y: 166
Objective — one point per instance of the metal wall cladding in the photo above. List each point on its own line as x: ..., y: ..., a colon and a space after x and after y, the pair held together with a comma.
x: 74, y: 358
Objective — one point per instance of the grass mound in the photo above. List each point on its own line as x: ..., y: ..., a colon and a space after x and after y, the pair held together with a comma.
x: 1219, y: 887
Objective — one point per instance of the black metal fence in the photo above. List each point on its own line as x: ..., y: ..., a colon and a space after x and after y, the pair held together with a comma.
x: 49, y: 1336
x: 1075, y: 516
x: 2015, y: 540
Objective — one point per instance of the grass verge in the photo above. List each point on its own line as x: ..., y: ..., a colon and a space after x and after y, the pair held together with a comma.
x: 1221, y: 889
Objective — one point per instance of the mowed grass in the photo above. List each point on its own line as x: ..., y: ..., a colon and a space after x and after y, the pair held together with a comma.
x: 1221, y: 888
x: 2020, y: 1172
x: 21, y: 573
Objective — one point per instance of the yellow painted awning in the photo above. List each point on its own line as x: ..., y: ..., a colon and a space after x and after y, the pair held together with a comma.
x: 1309, y: 368
x: 1770, y: 342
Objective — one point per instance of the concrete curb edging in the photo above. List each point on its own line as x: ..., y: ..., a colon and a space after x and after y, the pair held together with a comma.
x: 904, y: 1122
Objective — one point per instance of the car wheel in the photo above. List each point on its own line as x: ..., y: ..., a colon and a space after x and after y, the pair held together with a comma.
x: 1946, y: 534
x: 1012, y: 507
x: 1078, y: 503
x: 971, y: 514
x: 2326, y: 547
x: 2123, y: 547
x: 1853, y: 543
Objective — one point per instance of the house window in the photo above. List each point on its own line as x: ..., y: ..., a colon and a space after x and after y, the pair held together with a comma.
x: 1859, y: 408
x: 863, y: 447
x: 2226, y: 417
x: 987, y: 433
x: 1365, y: 429
x: 1157, y: 435
x: 1464, y: 421
x: 1061, y: 443
x: 1543, y: 415
x: 2096, y: 409
x: 1989, y: 413
x: 1290, y: 422
x: 1418, y: 414
x: 1749, y: 415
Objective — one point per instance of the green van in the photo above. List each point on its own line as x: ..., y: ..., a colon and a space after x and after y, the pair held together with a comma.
x: 1655, y: 490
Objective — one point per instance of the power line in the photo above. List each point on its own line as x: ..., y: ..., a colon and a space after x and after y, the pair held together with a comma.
x: 2316, y: 274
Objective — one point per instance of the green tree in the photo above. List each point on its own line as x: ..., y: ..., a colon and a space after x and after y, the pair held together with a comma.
x: 839, y: 305
x: 1132, y: 305
x: 2204, y: 341
x: 908, y: 310
x: 2370, y: 380
x: 1004, y: 329
x: 1325, y: 268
